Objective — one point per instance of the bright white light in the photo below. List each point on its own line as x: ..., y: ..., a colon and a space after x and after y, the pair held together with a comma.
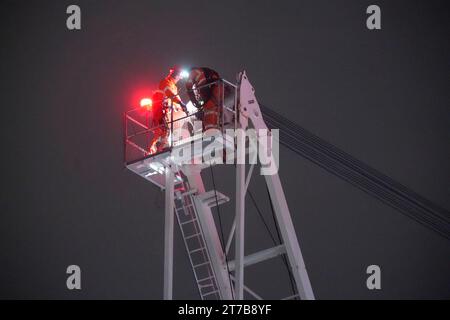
x: 151, y: 174
x: 190, y: 107
x: 184, y: 74
x: 158, y: 167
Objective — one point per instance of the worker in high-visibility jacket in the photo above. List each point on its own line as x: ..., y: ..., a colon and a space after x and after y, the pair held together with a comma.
x: 204, y: 91
x: 168, y: 88
x: 164, y: 98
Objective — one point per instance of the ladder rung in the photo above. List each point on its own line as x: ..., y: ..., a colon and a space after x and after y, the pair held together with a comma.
x: 183, y: 207
x: 207, y: 278
x: 209, y: 293
x: 197, y: 250
x: 202, y: 286
x: 189, y: 221
x: 201, y: 264
x: 192, y: 236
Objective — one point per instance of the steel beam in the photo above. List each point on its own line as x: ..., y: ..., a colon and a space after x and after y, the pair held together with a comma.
x: 211, y: 236
x: 250, y: 110
x: 168, y: 234
x: 290, y: 240
x: 240, y: 216
x: 260, y: 256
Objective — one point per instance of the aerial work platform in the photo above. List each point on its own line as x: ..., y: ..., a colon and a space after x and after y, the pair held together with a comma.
x: 138, y: 132
x: 176, y: 168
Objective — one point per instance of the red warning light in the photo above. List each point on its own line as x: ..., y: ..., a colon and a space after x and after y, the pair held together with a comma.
x: 146, y: 103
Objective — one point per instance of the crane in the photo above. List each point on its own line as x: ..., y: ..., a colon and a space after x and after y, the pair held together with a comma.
x: 187, y: 200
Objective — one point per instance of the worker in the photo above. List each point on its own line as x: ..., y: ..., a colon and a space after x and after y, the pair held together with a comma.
x: 204, y: 91
x: 163, y: 99
x: 168, y: 88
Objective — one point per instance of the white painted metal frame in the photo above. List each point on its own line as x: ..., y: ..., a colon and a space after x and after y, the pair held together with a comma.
x: 211, y: 236
x: 240, y: 216
x: 249, y: 111
x: 168, y: 234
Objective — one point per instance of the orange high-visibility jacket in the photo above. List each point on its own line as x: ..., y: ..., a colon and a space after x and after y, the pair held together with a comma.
x: 167, y: 89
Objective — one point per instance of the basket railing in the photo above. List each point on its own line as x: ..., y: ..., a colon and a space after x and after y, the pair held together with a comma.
x: 144, y: 138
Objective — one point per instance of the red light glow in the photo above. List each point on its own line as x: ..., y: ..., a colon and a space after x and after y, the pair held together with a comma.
x: 146, y: 103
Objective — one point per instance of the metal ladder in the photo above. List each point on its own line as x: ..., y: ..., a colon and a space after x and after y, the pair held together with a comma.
x: 194, y: 242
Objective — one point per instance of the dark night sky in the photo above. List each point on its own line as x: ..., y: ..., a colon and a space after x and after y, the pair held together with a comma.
x: 382, y: 96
